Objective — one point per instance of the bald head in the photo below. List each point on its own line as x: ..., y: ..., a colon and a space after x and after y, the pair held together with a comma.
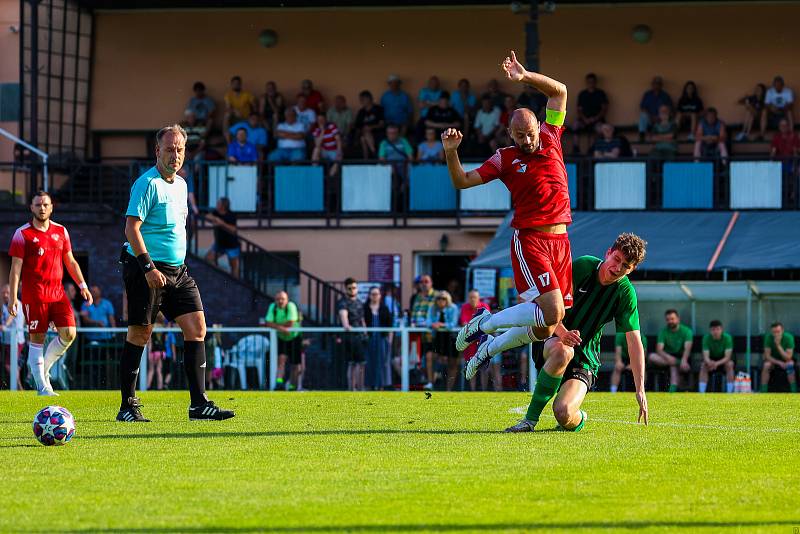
x: 523, y: 118
x: 524, y: 130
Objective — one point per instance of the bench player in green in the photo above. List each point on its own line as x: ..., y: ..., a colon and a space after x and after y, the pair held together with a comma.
x: 717, y: 354
x: 622, y: 359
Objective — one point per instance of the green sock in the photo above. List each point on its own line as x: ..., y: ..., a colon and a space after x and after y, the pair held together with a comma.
x: 793, y: 387
x: 546, y: 387
x: 763, y: 388
x: 580, y: 425
x: 673, y: 388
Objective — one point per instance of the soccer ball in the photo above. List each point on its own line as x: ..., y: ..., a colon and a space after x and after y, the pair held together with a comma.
x: 53, y: 425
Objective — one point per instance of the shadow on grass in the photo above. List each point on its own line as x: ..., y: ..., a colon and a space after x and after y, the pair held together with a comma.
x: 454, y: 527
x: 305, y: 433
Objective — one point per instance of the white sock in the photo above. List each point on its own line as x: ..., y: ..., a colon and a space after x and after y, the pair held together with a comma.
x: 36, y: 364
x: 613, y: 389
x: 511, y: 339
x: 55, y: 349
x: 523, y: 314
x: 729, y: 386
x: 703, y: 386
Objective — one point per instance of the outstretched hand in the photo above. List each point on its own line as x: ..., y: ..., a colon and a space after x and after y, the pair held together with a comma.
x: 513, y: 68
x: 642, y: 400
x: 451, y: 138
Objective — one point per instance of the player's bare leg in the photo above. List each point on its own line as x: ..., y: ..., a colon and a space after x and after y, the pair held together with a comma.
x: 616, y: 376
x: 666, y: 361
x: 766, y: 368
x: 566, y: 407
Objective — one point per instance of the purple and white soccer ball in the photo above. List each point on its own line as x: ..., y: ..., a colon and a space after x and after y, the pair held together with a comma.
x: 53, y: 425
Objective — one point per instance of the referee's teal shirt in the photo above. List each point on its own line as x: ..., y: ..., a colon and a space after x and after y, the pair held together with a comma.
x: 162, y: 208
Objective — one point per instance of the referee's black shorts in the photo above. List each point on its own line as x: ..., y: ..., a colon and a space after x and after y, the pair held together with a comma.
x: 179, y: 297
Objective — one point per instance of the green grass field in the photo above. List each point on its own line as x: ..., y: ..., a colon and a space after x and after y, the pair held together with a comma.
x: 330, y: 462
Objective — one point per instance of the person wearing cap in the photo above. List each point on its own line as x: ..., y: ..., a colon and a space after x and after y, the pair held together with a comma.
x: 396, y: 103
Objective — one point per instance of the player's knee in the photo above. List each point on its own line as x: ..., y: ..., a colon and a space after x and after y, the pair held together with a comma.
x: 559, y: 352
x: 729, y: 366
x: 67, y: 336
x: 562, y: 412
x: 619, y: 367
x: 767, y: 365
x: 553, y: 314
x: 139, y: 335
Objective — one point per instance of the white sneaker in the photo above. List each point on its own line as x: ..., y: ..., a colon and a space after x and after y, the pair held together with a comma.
x: 47, y: 391
x: 471, y: 331
x: 523, y: 426
x: 429, y: 385
x: 481, y: 358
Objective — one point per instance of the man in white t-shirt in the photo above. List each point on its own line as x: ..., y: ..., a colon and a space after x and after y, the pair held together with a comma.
x: 779, y: 101
x: 291, y: 136
x: 487, y: 120
x: 305, y: 115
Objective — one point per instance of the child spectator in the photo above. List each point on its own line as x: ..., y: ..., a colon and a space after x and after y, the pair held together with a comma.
x: 754, y: 109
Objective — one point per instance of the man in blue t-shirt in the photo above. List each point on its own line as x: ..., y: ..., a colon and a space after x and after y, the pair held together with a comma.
x: 241, y: 150
x: 156, y: 278
x: 100, y: 313
x: 651, y: 101
x: 396, y: 103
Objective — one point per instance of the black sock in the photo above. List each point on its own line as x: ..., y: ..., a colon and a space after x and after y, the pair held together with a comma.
x: 194, y: 363
x: 129, y: 371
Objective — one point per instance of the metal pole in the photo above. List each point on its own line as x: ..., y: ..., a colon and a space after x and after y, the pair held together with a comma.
x: 532, y: 38
x: 273, y: 359
x: 404, y: 359
x: 143, y: 369
x: 14, y: 369
x: 531, y: 369
x: 694, y: 316
x: 46, y: 174
x: 749, y: 326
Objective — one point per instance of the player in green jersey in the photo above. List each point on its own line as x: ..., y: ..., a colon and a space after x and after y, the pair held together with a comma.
x: 622, y: 360
x: 569, y: 365
x: 717, y: 355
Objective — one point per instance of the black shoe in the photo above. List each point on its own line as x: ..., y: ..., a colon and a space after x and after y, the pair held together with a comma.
x: 208, y: 411
x: 132, y: 414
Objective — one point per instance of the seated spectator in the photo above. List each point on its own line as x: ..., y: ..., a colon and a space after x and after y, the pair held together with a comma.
x: 711, y: 137
x: 663, y: 134
x: 272, y: 106
x: 306, y: 115
x: 464, y: 102
x: 314, y: 99
x: 652, y: 100
x: 778, y: 353
x: 256, y: 133
x: 442, y: 319
x: 99, y: 314
x: 239, y: 104
x: 442, y: 115
x: 487, y: 121
x: 240, y: 150
x: 196, y: 135
x: 327, y: 144
x: 428, y: 96
x: 533, y: 100
x: 673, y: 348
x: 689, y: 106
x: 226, y: 238
x: 497, y: 96
x: 283, y: 315
x: 342, y: 117
x: 607, y: 146
x: 785, y: 145
x: 717, y: 354
x: 369, y: 124
x: 592, y: 109
x: 501, y: 136
x: 396, y: 103
x: 779, y: 101
x: 622, y: 359
x: 202, y: 105
x: 468, y: 309
x: 395, y: 147
x: 430, y: 150
x: 754, y: 110
x: 291, y: 139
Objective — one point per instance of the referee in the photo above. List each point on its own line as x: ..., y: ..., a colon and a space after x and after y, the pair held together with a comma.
x: 156, y: 278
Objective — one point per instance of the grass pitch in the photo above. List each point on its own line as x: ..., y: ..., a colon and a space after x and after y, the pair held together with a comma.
x: 379, y: 462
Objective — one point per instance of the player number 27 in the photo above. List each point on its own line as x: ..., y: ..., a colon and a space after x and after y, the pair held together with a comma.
x: 544, y: 279
x: 34, y: 324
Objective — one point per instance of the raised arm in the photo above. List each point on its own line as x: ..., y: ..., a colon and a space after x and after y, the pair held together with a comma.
x: 636, y: 352
x: 555, y: 91
x: 451, y: 139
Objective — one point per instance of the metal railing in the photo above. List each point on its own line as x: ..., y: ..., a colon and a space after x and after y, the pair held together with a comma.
x: 43, y: 155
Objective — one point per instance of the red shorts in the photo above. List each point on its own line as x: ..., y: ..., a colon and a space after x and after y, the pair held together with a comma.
x: 542, y: 263
x: 40, y: 315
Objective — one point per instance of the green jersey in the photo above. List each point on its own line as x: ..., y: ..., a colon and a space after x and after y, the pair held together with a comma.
x: 787, y: 342
x: 595, y: 305
x: 716, y: 347
x: 620, y: 340
x: 674, y: 341
x: 282, y: 316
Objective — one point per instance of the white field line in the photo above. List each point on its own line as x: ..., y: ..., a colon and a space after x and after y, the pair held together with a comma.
x: 522, y: 409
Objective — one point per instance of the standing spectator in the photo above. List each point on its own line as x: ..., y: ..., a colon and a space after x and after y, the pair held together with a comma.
x: 442, y: 319
x: 240, y: 150
x: 428, y: 96
x: 202, y: 105
x: 785, y: 143
x: 468, y: 310
x: 16, y: 324
x: 351, y: 315
x: 622, y: 360
x: 256, y: 133
x: 673, y: 348
x: 327, y: 144
x: 420, y: 303
x: 464, y: 101
x: 778, y: 352
x: 272, y: 105
x: 497, y: 96
x: 377, y: 315
x: 663, y: 135
x: 717, y: 354
x: 754, y: 110
x: 342, y: 117
x: 779, y: 101
x: 226, y: 238
x: 306, y: 115
x: 712, y: 136
x: 99, y: 314
x: 592, y: 109
x: 396, y: 103
x: 533, y: 100
x: 652, y: 100
x: 689, y: 106
x: 282, y: 315
x: 157, y: 354
x: 487, y: 121
x: 369, y: 125
x: 291, y: 140
x: 239, y: 104
x: 442, y: 115
x: 314, y: 99
x: 394, y: 147
x: 607, y: 146
x: 430, y: 150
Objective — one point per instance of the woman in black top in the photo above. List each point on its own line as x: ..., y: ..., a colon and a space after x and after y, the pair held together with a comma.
x: 377, y: 315
x: 753, y: 110
x: 689, y: 107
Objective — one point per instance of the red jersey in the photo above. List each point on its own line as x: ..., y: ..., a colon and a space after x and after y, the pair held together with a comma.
x: 328, y: 136
x: 538, y: 181
x: 785, y: 145
x: 42, y: 254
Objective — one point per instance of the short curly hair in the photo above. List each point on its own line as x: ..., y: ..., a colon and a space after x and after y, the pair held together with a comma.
x: 632, y: 247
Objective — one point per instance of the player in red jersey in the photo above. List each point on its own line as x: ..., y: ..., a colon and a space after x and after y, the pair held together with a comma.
x: 533, y: 171
x: 38, y: 252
